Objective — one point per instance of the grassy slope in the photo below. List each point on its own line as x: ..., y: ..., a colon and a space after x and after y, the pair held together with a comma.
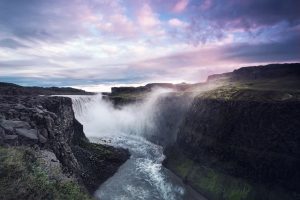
x: 22, y: 178
x: 280, y: 89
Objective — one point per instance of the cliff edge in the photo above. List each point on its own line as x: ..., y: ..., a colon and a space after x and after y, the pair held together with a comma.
x: 44, y: 145
x: 241, y: 139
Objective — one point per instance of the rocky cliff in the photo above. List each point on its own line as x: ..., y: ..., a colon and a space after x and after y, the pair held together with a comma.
x: 270, y: 71
x: 241, y: 140
x: 47, y: 126
x: 14, y: 89
x: 258, y: 139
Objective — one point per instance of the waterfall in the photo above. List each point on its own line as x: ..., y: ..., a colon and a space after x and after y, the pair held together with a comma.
x: 99, y: 117
x: 132, y: 127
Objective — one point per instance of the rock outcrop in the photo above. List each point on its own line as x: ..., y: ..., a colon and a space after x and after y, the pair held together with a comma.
x: 242, y: 140
x: 270, y: 71
x: 14, y: 89
x: 48, y: 125
x: 260, y: 140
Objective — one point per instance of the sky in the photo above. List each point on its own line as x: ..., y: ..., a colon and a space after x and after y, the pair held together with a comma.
x: 94, y: 44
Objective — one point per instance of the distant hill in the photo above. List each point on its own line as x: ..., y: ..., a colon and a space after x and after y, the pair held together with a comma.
x: 14, y: 89
x: 260, y: 72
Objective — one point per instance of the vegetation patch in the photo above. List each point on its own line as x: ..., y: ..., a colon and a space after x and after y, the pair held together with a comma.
x: 216, y: 185
x: 256, y: 90
x: 21, y: 177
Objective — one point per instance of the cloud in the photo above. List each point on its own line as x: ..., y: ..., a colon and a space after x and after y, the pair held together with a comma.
x: 146, y: 17
x: 177, y: 23
x: 12, y: 44
x: 92, y: 41
x: 197, y: 64
x: 286, y: 50
x: 60, y: 21
x: 35, y: 19
x: 180, y: 6
x: 212, y: 20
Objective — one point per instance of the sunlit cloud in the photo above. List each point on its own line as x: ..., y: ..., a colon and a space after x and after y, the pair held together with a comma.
x: 132, y: 42
x: 180, y: 5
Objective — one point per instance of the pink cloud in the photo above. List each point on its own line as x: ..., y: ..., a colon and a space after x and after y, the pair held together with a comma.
x: 146, y: 17
x: 180, y: 6
x: 206, y: 4
x: 177, y: 23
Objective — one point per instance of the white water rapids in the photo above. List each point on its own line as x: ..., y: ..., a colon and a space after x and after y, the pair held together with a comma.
x: 142, y: 177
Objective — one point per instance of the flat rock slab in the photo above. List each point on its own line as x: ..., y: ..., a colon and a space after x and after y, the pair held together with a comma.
x: 10, y: 137
x: 27, y: 133
x: 11, y: 124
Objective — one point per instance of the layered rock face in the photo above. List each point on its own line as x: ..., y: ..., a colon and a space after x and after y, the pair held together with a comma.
x: 253, y: 140
x: 41, y: 121
x: 48, y: 124
x: 241, y: 140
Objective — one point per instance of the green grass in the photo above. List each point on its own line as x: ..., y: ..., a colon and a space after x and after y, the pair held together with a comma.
x: 256, y: 90
x: 98, y: 149
x: 22, y: 178
x: 217, y: 185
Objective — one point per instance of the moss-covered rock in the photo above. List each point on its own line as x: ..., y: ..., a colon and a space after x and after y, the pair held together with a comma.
x: 218, y: 185
x: 97, y: 162
x: 22, y: 177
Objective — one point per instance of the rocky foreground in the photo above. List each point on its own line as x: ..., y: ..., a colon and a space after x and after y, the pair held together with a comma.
x: 44, y: 153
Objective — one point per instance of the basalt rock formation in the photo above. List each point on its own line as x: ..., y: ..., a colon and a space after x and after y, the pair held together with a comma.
x: 257, y: 141
x: 242, y: 140
x: 47, y: 125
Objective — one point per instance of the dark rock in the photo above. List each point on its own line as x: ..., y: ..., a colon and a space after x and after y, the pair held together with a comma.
x: 79, y: 136
x: 48, y: 124
x: 44, y: 133
x: 10, y: 125
x: 10, y: 137
x: 27, y: 133
x: 260, y: 72
x: 10, y: 140
x: 95, y: 158
x: 260, y: 140
x: 14, y: 89
x: 42, y: 139
x: 20, y: 107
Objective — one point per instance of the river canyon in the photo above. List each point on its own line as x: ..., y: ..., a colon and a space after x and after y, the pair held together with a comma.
x: 133, y: 127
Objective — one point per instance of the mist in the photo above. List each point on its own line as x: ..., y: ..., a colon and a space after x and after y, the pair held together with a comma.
x: 100, y: 118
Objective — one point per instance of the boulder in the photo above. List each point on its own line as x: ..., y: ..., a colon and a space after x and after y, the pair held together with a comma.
x: 10, y: 137
x: 42, y: 139
x: 27, y: 133
x: 10, y: 140
x: 10, y: 125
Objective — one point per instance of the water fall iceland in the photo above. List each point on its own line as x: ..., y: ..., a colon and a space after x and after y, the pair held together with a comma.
x: 136, y: 128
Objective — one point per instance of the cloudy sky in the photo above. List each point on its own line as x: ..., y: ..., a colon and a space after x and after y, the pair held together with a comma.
x: 107, y: 42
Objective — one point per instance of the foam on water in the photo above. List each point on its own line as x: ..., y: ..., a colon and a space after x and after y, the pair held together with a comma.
x: 142, y: 176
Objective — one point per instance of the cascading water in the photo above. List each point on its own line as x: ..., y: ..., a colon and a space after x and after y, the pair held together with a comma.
x: 142, y: 176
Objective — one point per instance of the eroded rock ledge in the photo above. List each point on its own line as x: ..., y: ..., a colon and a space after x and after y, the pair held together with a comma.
x: 47, y: 126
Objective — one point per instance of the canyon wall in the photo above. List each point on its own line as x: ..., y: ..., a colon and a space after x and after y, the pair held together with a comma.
x: 253, y: 140
x: 48, y: 125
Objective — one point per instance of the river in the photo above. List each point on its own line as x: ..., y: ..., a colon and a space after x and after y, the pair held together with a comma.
x: 142, y: 176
